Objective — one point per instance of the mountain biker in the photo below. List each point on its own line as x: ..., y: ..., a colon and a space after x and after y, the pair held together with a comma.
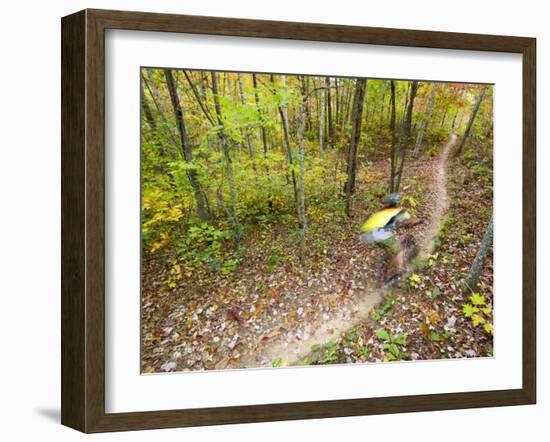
x: 379, y: 229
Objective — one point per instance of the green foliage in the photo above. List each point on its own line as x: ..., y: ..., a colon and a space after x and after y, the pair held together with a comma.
x: 363, y: 351
x: 203, y: 243
x: 330, y: 355
x: 482, y: 172
x: 246, y: 172
x: 276, y: 256
x: 419, y: 264
x: 351, y: 335
x: 386, y: 308
x: 231, y: 192
x: 322, y: 354
x: 447, y: 223
x: 393, y: 345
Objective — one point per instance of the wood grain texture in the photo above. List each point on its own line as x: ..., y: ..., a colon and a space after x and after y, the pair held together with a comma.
x: 73, y: 255
x: 529, y: 220
x: 83, y: 218
x: 144, y: 21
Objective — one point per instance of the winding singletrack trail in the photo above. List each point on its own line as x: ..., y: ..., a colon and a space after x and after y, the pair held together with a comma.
x: 296, y: 308
x: 440, y: 200
x: 368, y: 296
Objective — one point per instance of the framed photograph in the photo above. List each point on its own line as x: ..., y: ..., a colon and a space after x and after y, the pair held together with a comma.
x: 267, y: 221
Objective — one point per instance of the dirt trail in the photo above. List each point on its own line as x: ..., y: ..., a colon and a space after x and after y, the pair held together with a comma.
x: 292, y: 352
x: 440, y: 201
x: 368, y: 296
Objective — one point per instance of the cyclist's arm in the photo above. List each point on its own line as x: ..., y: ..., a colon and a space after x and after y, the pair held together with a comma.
x: 406, y: 220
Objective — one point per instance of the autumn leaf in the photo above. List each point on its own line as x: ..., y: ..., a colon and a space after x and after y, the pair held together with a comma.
x: 477, y: 319
x: 425, y: 330
x: 477, y: 299
x: 414, y: 278
x: 233, y: 280
x: 434, y: 317
x: 469, y: 310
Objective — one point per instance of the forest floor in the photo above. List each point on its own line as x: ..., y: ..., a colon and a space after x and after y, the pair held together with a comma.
x: 273, y: 311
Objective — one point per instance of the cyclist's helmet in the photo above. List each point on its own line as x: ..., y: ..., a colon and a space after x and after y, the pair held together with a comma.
x: 392, y: 200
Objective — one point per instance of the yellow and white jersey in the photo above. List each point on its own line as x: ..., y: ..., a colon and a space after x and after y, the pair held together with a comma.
x: 385, y: 219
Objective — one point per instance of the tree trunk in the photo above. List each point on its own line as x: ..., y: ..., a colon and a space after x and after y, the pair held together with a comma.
x: 203, y: 83
x: 153, y: 88
x: 302, y: 209
x: 148, y: 113
x: 425, y: 120
x: 185, y: 146
x: 443, y: 119
x: 228, y: 163
x: 489, y: 132
x: 260, y: 114
x: 471, y: 281
x: 248, y: 136
x: 321, y: 120
x: 393, y: 148
x: 330, y: 124
x: 338, y: 98
x: 454, y: 120
x: 471, y: 121
x: 405, y: 102
x: 366, y: 126
x: 309, y: 123
x: 201, y: 101
x: 146, y: 108
x: 283, y: 112
x: 357, y: 119
x: 406, y: 133
x: 346, y: 109
x: 168, y: 129
x: 383, y: 106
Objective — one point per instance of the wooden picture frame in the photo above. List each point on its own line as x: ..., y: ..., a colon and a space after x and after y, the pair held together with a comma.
x: 83, y: 220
